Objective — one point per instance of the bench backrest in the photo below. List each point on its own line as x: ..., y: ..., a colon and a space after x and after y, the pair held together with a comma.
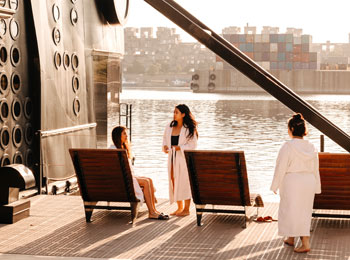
x: 103, y: 174
x: 218, y: 177
x: 335, y: 181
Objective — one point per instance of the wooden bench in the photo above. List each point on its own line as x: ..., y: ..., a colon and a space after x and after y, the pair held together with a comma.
x: 335, y: 184
x: 104, y: 175
x: 220, y: 178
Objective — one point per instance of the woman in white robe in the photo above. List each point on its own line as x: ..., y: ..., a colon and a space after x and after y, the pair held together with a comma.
x: 298, y: 180
x: 120, y: 140
x: 180, y: 135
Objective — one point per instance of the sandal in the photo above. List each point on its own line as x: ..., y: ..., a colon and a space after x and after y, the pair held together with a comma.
x: 162, y: 216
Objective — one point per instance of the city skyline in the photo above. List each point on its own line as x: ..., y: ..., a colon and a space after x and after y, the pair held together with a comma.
x: 322, y: 20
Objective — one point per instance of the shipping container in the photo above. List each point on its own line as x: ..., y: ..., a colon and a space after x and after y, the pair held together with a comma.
x: 249, y: 47
x: 258, y: 47
x: 305, y: 47
x: 305, y: 65
x: 313, y: 65
x: 234, y: 38
x: 273, y: 56
x: 289, y: 38
x: 250, y: 55
x: 242, y: 38
x: 306, y: 38
x: 281, y: 56
x: 266, y: 65
x: 305, y: 57
x: 282, y: 38
x: 289, y: 56
x: 258, y: 56
x: 266, y: 56
x: 289, y: 47
x: 297, y: 65
x: 274, y: 38
x: 273, y: 65
x: 266, y: 47
x: 281, y: 47
x: 257, y: 38
x: 297, y: 40
x: 297, y: 48
x: 289, y: 66
x: 296, y: 57
x: 281, y: 65
x: 265, y: 38
x: 249, y: 38
x: 313, y: 56
x: 242, y: 47
x: 273, y: 47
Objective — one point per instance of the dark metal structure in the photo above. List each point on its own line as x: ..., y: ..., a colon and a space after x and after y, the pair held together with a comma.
x: 248, y: 67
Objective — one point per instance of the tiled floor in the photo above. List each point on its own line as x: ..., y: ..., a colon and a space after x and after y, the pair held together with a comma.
x: 57, y: 227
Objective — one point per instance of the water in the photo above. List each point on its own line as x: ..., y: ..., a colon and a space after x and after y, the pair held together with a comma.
x: 255, y: 124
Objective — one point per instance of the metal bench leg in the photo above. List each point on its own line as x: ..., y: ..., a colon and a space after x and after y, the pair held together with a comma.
x: 199, y: 214
x: 88, y: 210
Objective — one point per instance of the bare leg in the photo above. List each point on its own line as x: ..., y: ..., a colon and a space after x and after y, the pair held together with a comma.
x: 186, y: 210
x: 179, y: 208
x: 289, y: 241
x: 305, y: 247
x: 147, y: 192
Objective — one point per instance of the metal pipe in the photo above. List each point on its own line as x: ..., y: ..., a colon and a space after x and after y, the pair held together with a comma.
x: 65, y: 130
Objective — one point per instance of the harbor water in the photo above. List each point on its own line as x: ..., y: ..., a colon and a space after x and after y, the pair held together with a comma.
x: 255, y: 124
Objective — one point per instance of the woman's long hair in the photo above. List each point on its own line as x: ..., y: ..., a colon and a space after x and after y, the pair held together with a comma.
x: 117, y: 140
x: 188, y: 121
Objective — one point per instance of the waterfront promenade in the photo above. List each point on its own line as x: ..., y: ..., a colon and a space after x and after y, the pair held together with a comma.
x: 57, y: 229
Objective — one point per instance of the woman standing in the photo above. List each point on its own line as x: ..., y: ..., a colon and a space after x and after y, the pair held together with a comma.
x: 181, y: 134
x: 298, y: 180
x: 120, y: 140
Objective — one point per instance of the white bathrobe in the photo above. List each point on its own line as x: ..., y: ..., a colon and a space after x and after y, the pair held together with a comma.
x: 182, y: 188
x: 298, y: 179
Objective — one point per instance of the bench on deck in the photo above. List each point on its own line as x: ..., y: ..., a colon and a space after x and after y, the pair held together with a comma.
x: 335, y: 184
x: 104, y: 175
x: 220, y: 178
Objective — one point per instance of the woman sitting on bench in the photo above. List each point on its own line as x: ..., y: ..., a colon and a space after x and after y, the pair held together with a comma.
x: 120, y: 140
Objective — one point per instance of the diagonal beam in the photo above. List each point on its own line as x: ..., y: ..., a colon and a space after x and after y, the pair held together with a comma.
x: 249, y: 68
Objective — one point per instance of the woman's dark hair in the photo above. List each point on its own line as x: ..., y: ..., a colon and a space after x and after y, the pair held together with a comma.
x: 297, y: 125
x: 117, y: 139
x: 189, y: 122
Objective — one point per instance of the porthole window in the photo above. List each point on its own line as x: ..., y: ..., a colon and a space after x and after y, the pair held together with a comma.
x: 16, y: 109
x: 29, y: 134
x: 3, y: 27
x: 14, y: 4
x: 75, y: 84
x: 3, y: 55
x: 5, y: 160
x: 4, y: 83
x: 5, y: 137
x: 15, y: 82
x: 73, y: 1
x: 14, y: 29
x: 15, y: 56
x: 56, y: 12
x: 57, y: 59
x: 18, y: 158
x: 29, y: 158
x: 4, y: 110
x: 56, y: 35
x: 76, y: 106
x: 66, y: 60
x: 2, y: 3
x: 17, y: 136
x: 28, y: 108
x: 75, y: 61
x: 74, y: 16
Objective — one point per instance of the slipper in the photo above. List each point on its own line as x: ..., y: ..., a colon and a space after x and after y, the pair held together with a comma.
x: 260, y: 219
x: 269, y: 218
x: 298, y: 250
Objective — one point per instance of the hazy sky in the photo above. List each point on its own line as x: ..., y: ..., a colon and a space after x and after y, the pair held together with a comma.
x: 324, y: 20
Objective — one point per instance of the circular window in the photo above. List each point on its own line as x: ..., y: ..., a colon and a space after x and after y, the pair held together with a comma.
x: 15, y: 56
x: 28, y: 134
x: 14, y: 4
x: 73, y: 1
x: 57, y: 59
x: 75, y: 84
x: 76, y: 106
x: 14, y: 29
x: 3, y: 55
x: 17, y: 136
x: 3, y: 27
x: 75, y: 61
x: 2, y: 3
x: 5, y: 160
x: 66, y: 60
x: 74, y: 16
x: 16, y: 109
x: 15, y: 82
x: 28, y: 108
x: 56, y: 36
x: 5, y: 137
x: 4, y: 83
x: 29, y: 158
x: 56, y: 12
x: 18, y: 158
x: 4, y: 110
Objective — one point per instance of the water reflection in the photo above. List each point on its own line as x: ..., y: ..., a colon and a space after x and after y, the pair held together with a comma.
x: 255, y: 124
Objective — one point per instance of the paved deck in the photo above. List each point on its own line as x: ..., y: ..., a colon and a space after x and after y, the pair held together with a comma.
x: 56, y: 229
